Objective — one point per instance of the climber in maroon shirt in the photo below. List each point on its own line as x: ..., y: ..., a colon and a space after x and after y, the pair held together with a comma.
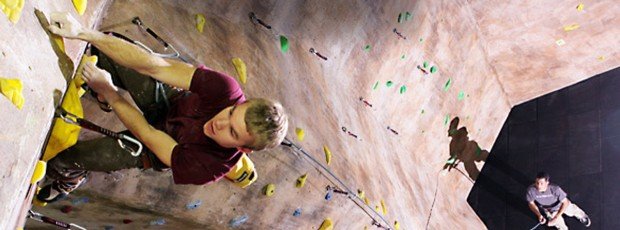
x: 206, y: 129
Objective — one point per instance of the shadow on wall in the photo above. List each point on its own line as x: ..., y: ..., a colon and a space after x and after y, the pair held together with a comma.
x: 468, y: 152
x: 463, y: 150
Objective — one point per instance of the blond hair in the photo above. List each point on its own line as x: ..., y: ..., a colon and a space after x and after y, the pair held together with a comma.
x: 267, y: 122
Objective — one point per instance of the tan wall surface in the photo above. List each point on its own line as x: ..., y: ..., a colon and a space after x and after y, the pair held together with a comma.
x: 27, y: 54
x: 478, y: 46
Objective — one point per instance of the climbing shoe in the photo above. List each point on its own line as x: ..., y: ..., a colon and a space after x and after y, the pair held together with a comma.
x: 585, y: 221
x: 51, y: 193
x: 58, y: 190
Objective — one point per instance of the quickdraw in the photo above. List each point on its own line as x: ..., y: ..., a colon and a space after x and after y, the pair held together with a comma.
x: 133, y: 146
x: 41, y: 218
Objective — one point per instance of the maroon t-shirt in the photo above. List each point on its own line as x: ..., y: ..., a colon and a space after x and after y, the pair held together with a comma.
x: 197, y: 159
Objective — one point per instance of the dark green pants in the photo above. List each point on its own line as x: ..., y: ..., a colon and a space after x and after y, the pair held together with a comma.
x: 105, y: 154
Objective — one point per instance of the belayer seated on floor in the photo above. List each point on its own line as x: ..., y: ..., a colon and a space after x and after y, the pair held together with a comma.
x: 207, y: 128
x: 549, y: 203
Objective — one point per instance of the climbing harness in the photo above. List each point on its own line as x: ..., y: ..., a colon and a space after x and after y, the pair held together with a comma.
x: 350, y: 194
x: 128, y: 143
x: 41, y: 218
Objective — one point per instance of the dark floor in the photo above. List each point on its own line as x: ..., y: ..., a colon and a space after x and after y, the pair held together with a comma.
x: 574, y: 135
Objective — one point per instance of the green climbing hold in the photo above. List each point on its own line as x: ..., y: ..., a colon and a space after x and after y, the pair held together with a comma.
x: 400, y: 17
x: 402, y: 57
x: 446, y: 87
x: 389, y: 83
x: 407, y: 16
x: 461, y: 95
x: 478, y: 150
x: 422, y: 111
x: 425, y: 64
x: 433, y: 69
x: 403, y: 89
x: 367, y: 48
x: 376, y: 85
x: 421, y: 40
x: 446, y: 119
x: 283, y: 43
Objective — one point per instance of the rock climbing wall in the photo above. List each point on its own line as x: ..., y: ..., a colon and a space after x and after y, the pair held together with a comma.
x: 417, y: 66
x: 536, y: 47
x: 29, y: 56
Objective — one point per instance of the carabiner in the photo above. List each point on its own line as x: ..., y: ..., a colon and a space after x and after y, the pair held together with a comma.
x: 66, y: 116
x: 132, y: 140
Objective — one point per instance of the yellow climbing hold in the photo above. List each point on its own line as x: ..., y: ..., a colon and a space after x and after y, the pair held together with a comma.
x: 580, y: 7
x: 12, y: 9
x: 269, y: 189
x: 301, y: 181
x: 78, y: 77
x: 39, y: 172
x: 383, y: 207
x: 396, y: 225
x: 601, y: 58
x: 361, y: 194
x: 80, y: 6
x: 12, y: 89
x: 200, y: 22
x: 241, y: 69
x: 65, y: 135
x: 327, y: 224
x: 377, y: 208
x: 366, y: 201
x: 328, y: 154
x: 571, y: 27
x: 300, y: 134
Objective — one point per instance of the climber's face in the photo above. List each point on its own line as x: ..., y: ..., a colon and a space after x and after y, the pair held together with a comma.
x: 228, y: 128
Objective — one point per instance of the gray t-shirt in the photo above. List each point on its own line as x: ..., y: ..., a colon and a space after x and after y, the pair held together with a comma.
x: 550, y: 200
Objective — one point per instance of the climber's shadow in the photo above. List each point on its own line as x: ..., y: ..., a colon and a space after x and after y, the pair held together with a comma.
x: 463, y: 150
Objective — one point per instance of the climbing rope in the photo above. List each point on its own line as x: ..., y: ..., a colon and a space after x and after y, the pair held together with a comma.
x: 350, y: 194
x: 428, y: 220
